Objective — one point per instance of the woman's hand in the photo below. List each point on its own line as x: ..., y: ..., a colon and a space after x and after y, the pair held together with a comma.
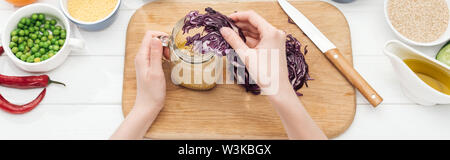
x: 151, y: 83
x: 261, y: 37
x: 151, y: 89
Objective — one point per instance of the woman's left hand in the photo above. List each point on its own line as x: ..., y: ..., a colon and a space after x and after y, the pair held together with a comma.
x: 151, y: 83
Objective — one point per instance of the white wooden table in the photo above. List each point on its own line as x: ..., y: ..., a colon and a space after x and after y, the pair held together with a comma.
x: 90, y: 106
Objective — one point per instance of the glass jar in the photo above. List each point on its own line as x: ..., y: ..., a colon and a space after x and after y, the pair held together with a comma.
x: 188, y: 69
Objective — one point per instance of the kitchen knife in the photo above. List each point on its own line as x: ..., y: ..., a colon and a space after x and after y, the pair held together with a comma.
x: 332, y: 53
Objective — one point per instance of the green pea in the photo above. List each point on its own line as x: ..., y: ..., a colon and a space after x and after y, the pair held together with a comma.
x: 23, y: 20
x: 31, y: 29
x: 36, y: 28
x: 28, y: 22
x: 15, y: 50
x: 34, y: 16
x: 50, y: 54
x: 52, y: 28
x: 44, y: 57
x: 37, y: 54
x: 21, y: 32
x: 30, y: 59
x: 63, y: 35
x: 23, y: 57
x: 20, y: 25
x: 42, y: 51
x: 55, y: 47
x: 38, y: 24
x: 14, y: 33
x: 50, y: 37
x: 27, y: 32
x: 19, y: 54
x: 47, y: 26
x: 21, y: 48
x: 45, y: 45
x: 33, y: 36
x: 42, y: 30
x: 28, y: 54
x: 12, y: 44
x: 15, y: 38
x: 54, y: 41
x: 21, y: 39
x: 41, y: 44
x: 56, y: 32
x: 41, y: 16
x: 53, y: 22
x: 30, y: 44
x: 44, y: 38
x: 47, y: 22
x: 61, y: 42
x: 34, y: 49
x: 58, y: 27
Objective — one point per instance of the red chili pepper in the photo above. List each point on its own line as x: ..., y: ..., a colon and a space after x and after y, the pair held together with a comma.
x: 1, y: 50
x: 21, y: 109
x: 27, y: 82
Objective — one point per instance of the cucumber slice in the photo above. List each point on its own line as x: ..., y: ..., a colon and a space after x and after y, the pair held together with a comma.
x: 444, y: 54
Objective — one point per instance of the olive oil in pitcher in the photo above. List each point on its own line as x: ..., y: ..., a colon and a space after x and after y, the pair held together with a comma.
x: 431, y: 75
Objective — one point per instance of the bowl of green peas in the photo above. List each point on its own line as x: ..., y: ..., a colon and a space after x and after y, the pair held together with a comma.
x: 37, y: 38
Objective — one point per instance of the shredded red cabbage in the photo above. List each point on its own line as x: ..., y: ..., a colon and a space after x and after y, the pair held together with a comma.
x: 212, y: 41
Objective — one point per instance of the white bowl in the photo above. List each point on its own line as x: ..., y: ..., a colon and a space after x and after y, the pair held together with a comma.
x: 92, y: 26
x: 444, y: 37
x: 52, y: 62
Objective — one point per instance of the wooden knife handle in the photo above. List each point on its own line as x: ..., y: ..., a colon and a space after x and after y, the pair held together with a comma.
x: 354, y: 77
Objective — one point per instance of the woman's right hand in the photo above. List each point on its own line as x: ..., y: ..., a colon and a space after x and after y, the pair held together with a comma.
x: 261, y: 36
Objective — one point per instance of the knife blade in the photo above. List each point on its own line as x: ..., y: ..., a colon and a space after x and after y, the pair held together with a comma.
x: 331, y: 52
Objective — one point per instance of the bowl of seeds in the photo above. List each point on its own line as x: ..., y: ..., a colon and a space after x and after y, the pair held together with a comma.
x: 419, y: 22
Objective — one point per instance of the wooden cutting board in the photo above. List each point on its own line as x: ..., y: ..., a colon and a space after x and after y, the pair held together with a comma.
x: 228, y: 112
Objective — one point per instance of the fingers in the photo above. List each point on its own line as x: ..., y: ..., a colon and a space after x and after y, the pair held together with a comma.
x: 246, y: 26
x: 156, y: 53
x: 143, y: 57
x: 250, y: 34
x: 254, y: 19
x: 166, y: 53
x: 251, y: 42
x: 157, y: 33
x: 233, y: 38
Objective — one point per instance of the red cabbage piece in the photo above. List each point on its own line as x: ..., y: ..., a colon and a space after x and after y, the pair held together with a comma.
x: 213, y: 41
x: 297, y: 66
